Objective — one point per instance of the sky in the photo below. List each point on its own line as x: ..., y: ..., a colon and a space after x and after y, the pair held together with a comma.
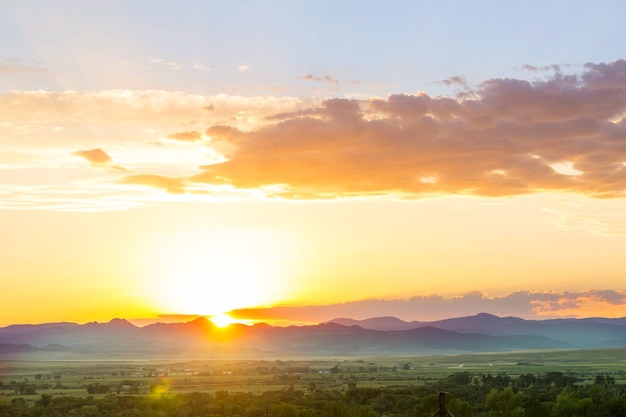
x: 298, y: 161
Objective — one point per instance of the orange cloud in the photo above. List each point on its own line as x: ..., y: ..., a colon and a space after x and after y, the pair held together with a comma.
x: 171, y: 184
x: 98, y: 158
x: 605, y: 303
x: 509, y: 140
x: 190, y: 136
x: 94, y: 156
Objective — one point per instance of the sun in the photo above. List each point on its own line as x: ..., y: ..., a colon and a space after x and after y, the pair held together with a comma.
x: 223, y: 320
x: 211, y: 274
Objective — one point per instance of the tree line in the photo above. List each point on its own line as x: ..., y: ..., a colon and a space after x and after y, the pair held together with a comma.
x: 552, y: 394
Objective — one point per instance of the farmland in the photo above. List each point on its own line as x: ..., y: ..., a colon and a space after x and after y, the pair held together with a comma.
x: 28, y: 381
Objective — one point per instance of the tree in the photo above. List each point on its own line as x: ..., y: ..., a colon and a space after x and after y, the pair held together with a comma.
x: 284, y: 410
x: 335, y: 409
x: 45, y: 400
x: 569, y: 404
x: 460, y: 378
x: 504, y: 403
x: 365, y: 411
x: 526, y: 380
x: 535, y: 408
x: 24, y: 388
x: 254, y: 411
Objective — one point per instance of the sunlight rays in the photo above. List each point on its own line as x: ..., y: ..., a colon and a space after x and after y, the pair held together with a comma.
x: 223, y: 320
x: 228, y: 269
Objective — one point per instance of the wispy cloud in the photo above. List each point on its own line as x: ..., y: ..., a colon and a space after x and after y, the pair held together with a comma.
x: 172, y: 65
x: 202, y: 68
x: 602, y: 221
x: 80, y: 196
x: 456, y: 80
x: 47, y: 134
x: 136, y: 109
x: 323, y: 79
x: 18, y: 66
x: 542, y: 68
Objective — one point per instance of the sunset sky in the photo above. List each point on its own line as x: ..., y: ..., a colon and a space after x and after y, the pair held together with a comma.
x: 298, y: 161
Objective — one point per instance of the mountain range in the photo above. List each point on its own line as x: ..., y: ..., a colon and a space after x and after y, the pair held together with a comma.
x: 380, y: 335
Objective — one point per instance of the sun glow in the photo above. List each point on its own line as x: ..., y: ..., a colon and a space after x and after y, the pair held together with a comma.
x: 223, y: 320
x: 209, y: 275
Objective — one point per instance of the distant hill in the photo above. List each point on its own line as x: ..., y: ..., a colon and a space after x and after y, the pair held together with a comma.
x: 380, y: 335
x: 380, y: 323
x: 578, y: 333
x: 25, y: 348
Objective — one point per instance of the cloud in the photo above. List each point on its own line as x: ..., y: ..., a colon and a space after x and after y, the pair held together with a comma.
x: 98, y: 158
x: 202, y: 68
x: 513, y: 138
x: 189, y: 136
x: 524, y: 304
x: 84, y: 196
x: 171, y: 65
x: 44, y: 129
x: 171, y: 184
x: 243, y: 68
x: 601, y: 220
x: 534, y: 68
x: 95, y: 156
x: 564, y: 133
x: 18, y: 66
x: 455, y: 81
x: 135, y: 109
x: 570, y: 303
x: 324, y: 79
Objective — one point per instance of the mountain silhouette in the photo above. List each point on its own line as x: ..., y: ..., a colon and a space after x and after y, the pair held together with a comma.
x: 578, y: 333
x: 379, y: 335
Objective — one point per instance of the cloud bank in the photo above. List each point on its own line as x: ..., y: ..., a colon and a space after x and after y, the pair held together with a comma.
x: 524, y: 304
x: 507, y: 137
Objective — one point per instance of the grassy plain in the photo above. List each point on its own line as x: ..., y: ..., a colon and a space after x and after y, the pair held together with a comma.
x: 72, y: 377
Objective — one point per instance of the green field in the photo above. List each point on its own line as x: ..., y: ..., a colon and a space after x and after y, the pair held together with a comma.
x: 73, y: 378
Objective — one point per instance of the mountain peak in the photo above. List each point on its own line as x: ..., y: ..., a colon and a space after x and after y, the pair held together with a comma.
x: 486, y: 316
x: 199, y: 319
x: 121, y: 323
x: 377, y: 323
x: 201, y: 322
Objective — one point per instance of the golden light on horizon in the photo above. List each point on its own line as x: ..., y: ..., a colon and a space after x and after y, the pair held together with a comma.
x: 209, y: 275
x: 223, y: 320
